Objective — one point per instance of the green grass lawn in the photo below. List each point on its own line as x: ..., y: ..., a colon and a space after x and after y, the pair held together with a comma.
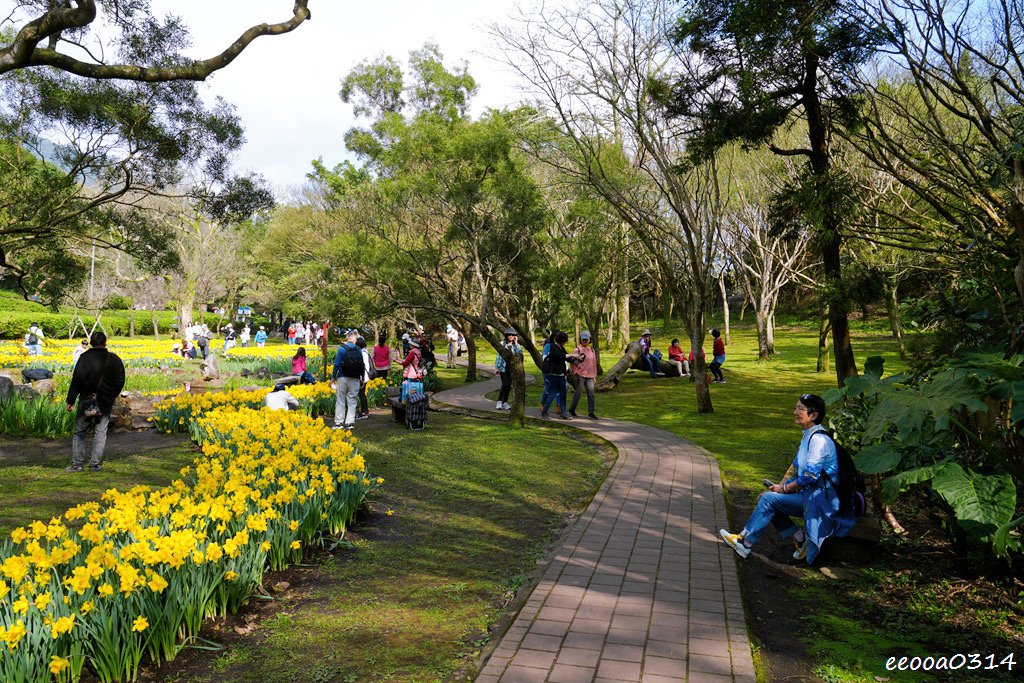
x: 474, y: 506
x: 31, y: 492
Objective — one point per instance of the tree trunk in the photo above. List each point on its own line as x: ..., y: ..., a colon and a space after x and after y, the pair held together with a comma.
x: 667, y: 304
x: 762, y: 335
x: 517, y: 413
x: 622, y: 304
x: 467, y: 332
x: 611, y: 380
x: 610, y: 333
x: 185, y: 312
x: 131, y: 321
x: 725, y: 305
x: 743, y: 308
x: 700, y: 381
x: 156, y: 327
x: 770, y: 321
x: 892, y: 305
x: 527, y: 343
x: 846, y: 366
x: 823, y: 331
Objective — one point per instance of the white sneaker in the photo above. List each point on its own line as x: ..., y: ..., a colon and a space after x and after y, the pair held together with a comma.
x: 736, y: 541
x: 506, y: 406
x: 499, y: 406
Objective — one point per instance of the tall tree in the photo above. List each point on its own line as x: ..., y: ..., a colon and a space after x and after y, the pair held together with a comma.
x: 596, y: 67
x: 750, y: 68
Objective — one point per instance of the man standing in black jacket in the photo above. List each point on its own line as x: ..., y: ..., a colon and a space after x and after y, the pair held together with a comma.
x: 97, y: 381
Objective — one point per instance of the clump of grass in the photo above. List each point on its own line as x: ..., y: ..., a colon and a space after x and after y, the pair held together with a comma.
x: 20, y: 416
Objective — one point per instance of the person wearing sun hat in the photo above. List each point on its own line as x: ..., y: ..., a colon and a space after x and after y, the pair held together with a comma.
x: 652, y: 363
x: 584, y: 374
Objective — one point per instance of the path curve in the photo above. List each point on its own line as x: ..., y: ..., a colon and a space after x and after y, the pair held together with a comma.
x: 640, y: 588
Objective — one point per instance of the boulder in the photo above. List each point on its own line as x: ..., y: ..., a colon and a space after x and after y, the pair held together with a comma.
x: 245, y: 372
x: 6, y: 387
x: 262, y: 372
x: 26, y: 391
x: 121, y: 415
x: 45, y: 387
x: 210, y: 369
x: 36, y: 374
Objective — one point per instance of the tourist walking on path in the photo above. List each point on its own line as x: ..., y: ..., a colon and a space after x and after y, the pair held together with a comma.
x: 718, y: 353
x: 245, y: 336
x: 299, y: 367
x: 453, y: 344
x: 348, y: 373
x: 554, y: 365
x: 96, y: 382
x: 677, y: 357
x: 545, y: 350
x: 34, y: 340
x: 503, y: 371
x: 584, y: 374
x: 653, y: 364
x: 364, y: 406
x: 261, y: 337
x: 229, y: 339
x: 382, y: 356
x: 292, y: 333
x: 203, y: 337
x: 808, y: 490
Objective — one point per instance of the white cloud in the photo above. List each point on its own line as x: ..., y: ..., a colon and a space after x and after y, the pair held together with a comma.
x: 286, y: 87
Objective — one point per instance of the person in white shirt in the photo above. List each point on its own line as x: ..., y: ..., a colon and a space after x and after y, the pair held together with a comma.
x: 453, y: 344
x: 245, y: 336
x: 34, y: 340
x: 280, y: 399
x: 79, y: 350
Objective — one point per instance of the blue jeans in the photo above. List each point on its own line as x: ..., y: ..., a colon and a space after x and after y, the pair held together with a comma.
x: 547, y: 390
x: 556, y: 390
x: 776, y: 508
x: 653, y: 365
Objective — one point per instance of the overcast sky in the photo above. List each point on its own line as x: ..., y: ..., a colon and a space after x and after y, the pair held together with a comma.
x: 286, y: 87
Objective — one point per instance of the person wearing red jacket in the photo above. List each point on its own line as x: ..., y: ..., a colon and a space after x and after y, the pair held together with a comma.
x: 677, y: 357
x: 718, y: 351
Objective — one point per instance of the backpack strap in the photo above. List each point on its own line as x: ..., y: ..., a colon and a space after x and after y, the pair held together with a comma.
x: 828, y: 479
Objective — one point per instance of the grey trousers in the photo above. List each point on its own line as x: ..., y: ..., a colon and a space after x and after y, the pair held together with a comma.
x: 579, y: 385
x: 99, y: 439
x: 345, y: 403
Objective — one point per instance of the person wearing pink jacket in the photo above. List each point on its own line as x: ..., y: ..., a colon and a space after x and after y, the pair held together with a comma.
x: 584, y: 374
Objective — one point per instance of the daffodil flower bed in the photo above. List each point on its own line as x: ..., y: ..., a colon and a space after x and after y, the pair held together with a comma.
x: 136, y: 573
x: 180, y: 413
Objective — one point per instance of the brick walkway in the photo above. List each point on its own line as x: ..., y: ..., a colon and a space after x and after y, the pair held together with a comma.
x: 641, y: 588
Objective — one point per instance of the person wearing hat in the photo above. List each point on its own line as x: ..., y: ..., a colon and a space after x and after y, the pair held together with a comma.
x: 502, y: 369
x: 584, y: 374
x: 652, y: 362
x: 261, y: 337
x: 411, y: 362
x: 801, y: 493
x: 554, y: 367
x: 348, y: 372
x: 280, y: 399
x: 453, y: 343
x: 406, y: 339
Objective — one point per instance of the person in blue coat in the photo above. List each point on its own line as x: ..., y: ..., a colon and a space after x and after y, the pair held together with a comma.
x: 805, y: 491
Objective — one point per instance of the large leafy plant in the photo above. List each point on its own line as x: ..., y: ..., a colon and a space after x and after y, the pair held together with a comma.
x: 955, y: 429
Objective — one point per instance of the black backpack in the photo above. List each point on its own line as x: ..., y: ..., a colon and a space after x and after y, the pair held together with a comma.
x: 352, y: 363
x: 32, y: 339
x: 850, y: 489
x: 427, y: 353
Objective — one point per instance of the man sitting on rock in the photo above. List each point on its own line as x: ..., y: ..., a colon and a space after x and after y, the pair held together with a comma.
x: 97, y: 381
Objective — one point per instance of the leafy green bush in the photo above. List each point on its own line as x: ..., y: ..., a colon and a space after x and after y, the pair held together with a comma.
x: 955, y: 429
x: 37, y: 417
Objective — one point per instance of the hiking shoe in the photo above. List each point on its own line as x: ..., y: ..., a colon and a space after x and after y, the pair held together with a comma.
x: 499, y: 406
x: 95, y: 468
x: 506, y: 406
x: 801, y: 550
x: 592, y: 416
x: 73, y: 468
x: 362, y: 416
x: 543, y: 413
x: 565, y: 416
x: 736, y: 541
x: 573, y: 413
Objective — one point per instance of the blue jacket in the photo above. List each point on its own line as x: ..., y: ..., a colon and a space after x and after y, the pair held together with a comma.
x: 817, y: 457
x: 339, y: 356
x: 499, y: 362
x: 261, y: 337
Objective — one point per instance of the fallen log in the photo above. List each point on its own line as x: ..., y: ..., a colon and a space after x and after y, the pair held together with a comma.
x: 611, y: 380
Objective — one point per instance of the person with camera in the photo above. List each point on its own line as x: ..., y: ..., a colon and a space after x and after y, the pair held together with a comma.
x: 583, y: 366
x: 97, y: 381
x: 554, y: 369
x: 802, y: 491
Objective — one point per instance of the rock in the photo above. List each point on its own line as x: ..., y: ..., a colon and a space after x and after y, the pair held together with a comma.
x: 6, y: 387
x: 210, y: 369
x: 281, y: 586
x: 278, y: 375
x: 840, y: 573
x: 13, y: 375
x: 245, y: 372
x: 121, y: 416
x: 289, y: 380
x: 262, y: 372
x: 45, y: 387
x: 26, y: 391
x: 36, y: 374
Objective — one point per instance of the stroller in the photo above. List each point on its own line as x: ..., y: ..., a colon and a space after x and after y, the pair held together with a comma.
x: 416, y: 404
